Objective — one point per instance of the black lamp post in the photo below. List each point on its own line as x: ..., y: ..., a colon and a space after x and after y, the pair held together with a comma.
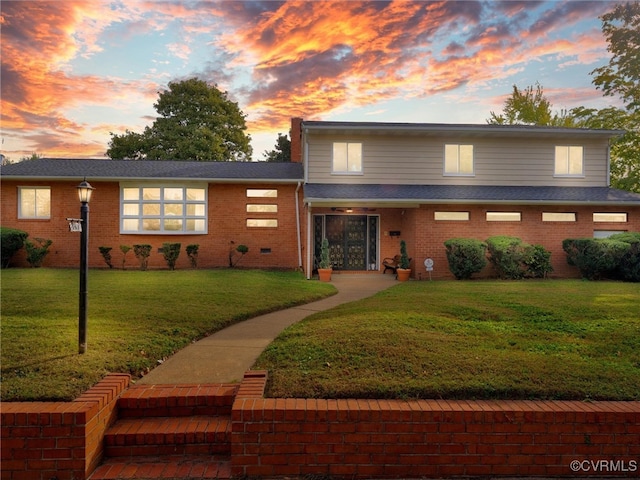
x: 84, y: 195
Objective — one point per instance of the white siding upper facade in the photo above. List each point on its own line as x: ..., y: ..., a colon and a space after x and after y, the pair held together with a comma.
x: 415, y: 159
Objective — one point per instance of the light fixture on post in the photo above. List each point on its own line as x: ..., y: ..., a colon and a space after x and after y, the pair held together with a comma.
x: 84, y: 195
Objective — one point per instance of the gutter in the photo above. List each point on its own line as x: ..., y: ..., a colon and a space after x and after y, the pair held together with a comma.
x: 298, y: 225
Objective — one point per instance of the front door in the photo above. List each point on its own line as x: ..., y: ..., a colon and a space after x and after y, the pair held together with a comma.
x: 352, y: 239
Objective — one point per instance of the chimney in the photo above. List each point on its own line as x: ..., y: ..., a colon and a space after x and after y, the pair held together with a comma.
x: 296, y: 139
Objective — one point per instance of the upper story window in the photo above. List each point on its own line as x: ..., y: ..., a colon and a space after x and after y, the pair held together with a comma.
x: 569, y: 160
x: 175, y: 209
x: 458, y: 159
x: 347, y: 157
x: 34, y: 202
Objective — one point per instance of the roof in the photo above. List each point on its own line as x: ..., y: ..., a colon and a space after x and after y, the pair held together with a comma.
x: 450, y: 128
x: 330, y: 194
x: 114, y: 170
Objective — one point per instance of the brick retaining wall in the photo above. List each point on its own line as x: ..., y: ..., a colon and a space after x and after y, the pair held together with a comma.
x: 62, y: 440
x: 432, y: 438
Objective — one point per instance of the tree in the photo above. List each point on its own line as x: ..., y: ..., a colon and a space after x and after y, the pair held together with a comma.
x: 281, y: 152
x: 621, y: 28
x: 526, y: 107
x: 196, y: 121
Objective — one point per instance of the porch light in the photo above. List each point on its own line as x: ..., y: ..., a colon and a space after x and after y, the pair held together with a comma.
x: 84, y: 191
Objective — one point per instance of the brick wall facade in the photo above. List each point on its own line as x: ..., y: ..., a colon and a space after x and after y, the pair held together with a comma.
x: 432, y: 438
x: 62, y: 440
x: 268, y: 247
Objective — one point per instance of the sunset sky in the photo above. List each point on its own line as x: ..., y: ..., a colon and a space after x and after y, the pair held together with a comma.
x: 73, y: 71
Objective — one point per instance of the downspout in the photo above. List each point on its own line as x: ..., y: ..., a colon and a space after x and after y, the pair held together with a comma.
x: 298, y: 226
x: 609, y: 163
x: 309, y: 267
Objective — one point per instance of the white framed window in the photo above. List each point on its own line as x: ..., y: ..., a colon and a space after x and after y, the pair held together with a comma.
x: 558, y: 216
x: 262, y: 208
x: 347, y: 157
x: 618, y: 217
x: 262, y: 222
x: 504, y: 216
x: 458, y: 159
x: 163, y: 209
x: 569, y: 161
x: 34, y: 202
x: 262, y: 193
x: 452, y: 216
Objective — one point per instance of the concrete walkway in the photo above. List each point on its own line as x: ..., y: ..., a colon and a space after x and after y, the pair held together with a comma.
x: 224, y: 356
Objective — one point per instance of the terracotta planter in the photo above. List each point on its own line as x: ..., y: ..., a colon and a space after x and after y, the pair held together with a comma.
x: 403, y: 274
x: 324, y: 274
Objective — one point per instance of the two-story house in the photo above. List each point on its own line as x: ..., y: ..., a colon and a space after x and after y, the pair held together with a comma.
x: 369, y: 185
x: 365, y: 186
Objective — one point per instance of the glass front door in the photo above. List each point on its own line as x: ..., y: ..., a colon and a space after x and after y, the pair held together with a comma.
x: 353, y: 240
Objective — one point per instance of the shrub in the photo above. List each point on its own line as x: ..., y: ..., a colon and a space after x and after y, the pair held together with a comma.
x: 171, y: 252
x: 325, y: 262
x: 466, y: 256
x: 142, y: 253
x: 404, y: 258
x: 106, y: 255
x: 629, y: 267
x: 124, y: 249
x: 538, y: 261
x: 595, y: 257
x: 233, y: 258
x: 37, y: 250
x: 11, y: 240
x: 506, y: 254
x: 192, y: 253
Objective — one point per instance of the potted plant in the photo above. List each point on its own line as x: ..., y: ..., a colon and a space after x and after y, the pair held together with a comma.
x: 324, y: 267
x: 403, y: 271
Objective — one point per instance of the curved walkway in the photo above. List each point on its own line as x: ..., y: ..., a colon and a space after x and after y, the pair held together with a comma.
x: 226, y: 355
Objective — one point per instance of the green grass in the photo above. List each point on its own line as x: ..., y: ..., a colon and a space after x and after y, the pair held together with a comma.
x: 474, y: 340
x: 135, y: 318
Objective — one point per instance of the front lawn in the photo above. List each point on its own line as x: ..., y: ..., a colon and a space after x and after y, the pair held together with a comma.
x: 553, y: 339
x: 135, y: 318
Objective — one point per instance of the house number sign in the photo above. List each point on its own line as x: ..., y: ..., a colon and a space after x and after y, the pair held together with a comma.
x: 75, y: 224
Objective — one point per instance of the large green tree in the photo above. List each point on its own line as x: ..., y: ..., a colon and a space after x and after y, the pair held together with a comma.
x: 196, y: 121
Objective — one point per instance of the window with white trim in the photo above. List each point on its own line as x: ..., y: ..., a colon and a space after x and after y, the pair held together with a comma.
x: 262, y: 222
x: 458, y: 159
x: 34, y: 203
x: 558, y: 216
x: 619, y: 217
x: 569, y: 161
x: 262, y: 193
x: 262, y: 208
x: 504, y: 216
x: 347, y: 157
x: 166, y: 209
x: 451, y: 216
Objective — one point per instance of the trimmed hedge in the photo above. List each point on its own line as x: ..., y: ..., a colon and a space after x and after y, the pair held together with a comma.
x: 513, y: 259
x: 465, y: 256
x: 617, y: 257
x: 11, y: 240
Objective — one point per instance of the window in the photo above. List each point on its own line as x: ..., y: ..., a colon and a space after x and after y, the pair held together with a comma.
x: 606, y: 233
x: 569, y: 161
x: 262, y: 208
x: 454, y: 216
x: 458, y: 159
x: 262, y: 222
x: 504, y: 216
x: 558, y: 216
x: 347, y: 157
x: 164, y: 209
x: 262, y: 193
x: 34, y: 202
x: 609, y: 217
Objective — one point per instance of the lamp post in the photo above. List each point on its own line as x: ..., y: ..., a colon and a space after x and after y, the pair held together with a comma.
x: 84, y: 195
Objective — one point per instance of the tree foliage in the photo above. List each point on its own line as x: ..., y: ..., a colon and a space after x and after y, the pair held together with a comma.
x: 196, y: 121
x: 281, y: 151
x: 529, y: 107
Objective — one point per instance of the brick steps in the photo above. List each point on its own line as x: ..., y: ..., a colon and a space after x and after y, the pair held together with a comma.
x: 170, y: 431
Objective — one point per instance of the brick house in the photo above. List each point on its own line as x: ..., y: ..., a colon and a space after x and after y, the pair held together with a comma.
x: 365, y: 186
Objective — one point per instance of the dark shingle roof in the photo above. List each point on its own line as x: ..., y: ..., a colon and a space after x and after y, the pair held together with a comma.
x: 468, y: 194
x: 61, y: 169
